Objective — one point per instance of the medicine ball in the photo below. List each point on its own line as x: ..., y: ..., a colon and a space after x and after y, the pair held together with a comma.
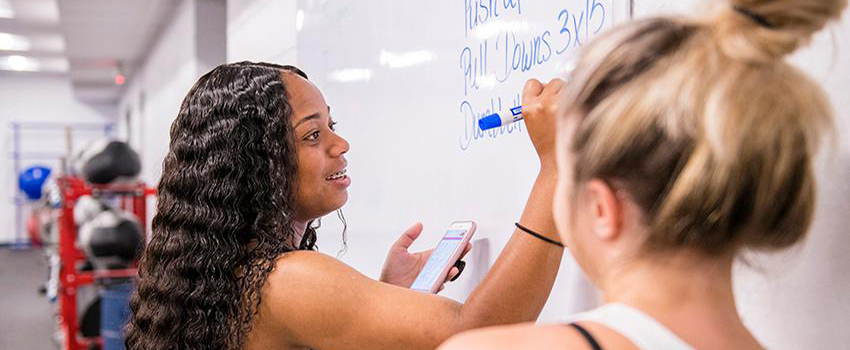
x: 90, y: 319
x: 32, y: 179
x: 112, y: 240
x: 105, y: 161
x: 87, y: 208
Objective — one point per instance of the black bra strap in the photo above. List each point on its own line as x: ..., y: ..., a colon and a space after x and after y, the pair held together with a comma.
x: 590, y: 340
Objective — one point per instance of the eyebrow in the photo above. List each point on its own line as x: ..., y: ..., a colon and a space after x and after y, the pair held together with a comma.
x: 313, y: 116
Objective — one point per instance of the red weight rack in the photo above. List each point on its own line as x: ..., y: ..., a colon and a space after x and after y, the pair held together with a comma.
x: 133, y: 198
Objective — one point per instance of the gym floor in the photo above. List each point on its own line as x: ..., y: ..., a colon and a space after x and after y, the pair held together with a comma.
x: 26, y: 320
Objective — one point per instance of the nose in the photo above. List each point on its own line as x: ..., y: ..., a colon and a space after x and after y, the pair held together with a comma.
x: 340, y: 146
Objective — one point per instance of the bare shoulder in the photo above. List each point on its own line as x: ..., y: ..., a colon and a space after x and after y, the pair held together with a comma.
x: 309, y: 291
x: 309, y: 273
x: 305, y: 261
x: 515, y: 337
x: 307, y: 283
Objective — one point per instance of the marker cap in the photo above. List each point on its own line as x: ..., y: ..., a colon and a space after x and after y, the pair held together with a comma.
x: 490, y: 121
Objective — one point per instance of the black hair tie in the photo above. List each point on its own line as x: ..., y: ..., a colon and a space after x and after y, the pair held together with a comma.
x: 755, y: 17
x: 539, y: 236
x: 460, y: 264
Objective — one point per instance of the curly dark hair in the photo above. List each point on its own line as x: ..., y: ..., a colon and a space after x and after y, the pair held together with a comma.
x: 224, y: 212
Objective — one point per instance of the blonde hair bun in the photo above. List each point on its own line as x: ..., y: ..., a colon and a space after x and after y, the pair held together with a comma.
x: 765, y: 30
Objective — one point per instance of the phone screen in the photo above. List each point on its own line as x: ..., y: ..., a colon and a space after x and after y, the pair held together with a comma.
x: 439, y: 259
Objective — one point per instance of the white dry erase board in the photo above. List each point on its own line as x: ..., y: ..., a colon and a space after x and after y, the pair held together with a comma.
x: 407, y: 82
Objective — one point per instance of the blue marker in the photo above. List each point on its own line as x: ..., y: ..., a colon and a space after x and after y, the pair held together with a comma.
x: 496, y: 120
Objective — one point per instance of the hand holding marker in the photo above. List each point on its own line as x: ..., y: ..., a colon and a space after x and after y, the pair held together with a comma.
x: 496, y: 120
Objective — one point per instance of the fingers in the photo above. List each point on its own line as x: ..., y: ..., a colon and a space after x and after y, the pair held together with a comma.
x: 554, y: 86
x: 532, y: 89
x: 551, y: 96
x: 452, y: 274
x: 541, y: 106
x: 409, y: 236
x: 459, y: 266
x: 535, y: 95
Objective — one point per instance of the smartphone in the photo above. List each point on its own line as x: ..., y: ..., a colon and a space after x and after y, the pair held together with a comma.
x: 444, y: 256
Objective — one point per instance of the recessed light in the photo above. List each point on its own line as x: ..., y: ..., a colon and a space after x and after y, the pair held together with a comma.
x: 22, y: 63
x: 19, y: 63
x: 12, y: 42
x: 6, y: 9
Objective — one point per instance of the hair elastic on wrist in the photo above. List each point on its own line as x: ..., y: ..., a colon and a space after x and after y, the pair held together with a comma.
x: 541, y: 237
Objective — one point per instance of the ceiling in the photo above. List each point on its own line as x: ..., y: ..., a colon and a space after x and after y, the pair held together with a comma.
x: 90, y: 41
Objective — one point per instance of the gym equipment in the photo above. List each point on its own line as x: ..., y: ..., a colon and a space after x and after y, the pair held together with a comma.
x: 133, y: 199
x: 34, y: 229
x: 111, y: 240
x: 32, y: 179
x: 90, y: 321
x: 106, y: 161
x: 115, y: 312
x: 87, y: 208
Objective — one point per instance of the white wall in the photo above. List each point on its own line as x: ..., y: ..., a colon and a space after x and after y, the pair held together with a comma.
x: 34, y: 98
x: 801, y: 298
x: 154, y: 93
x: 261, y: 30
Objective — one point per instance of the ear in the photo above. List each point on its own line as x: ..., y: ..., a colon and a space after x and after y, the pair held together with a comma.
x: 606, y: 210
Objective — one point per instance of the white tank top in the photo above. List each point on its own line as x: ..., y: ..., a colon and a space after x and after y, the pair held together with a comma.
x: 639, y: 328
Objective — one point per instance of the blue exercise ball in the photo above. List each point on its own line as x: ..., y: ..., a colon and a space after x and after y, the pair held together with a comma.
x: 32, y: 179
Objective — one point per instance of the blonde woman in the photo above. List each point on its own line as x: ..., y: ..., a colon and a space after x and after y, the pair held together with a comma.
x: 683, y: 142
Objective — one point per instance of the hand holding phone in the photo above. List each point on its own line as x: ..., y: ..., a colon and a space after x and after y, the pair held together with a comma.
x: 444, y: 256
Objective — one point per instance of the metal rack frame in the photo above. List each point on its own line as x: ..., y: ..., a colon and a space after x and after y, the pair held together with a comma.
x: 133, y: 199
x: 18, y: 155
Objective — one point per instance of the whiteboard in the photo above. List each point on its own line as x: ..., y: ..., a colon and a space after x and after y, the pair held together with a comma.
x: 407, y: 82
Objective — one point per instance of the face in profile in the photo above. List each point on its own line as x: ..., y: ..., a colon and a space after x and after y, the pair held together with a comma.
x: 564, y: 190
x: 570, y: 213
x: 322, y: 185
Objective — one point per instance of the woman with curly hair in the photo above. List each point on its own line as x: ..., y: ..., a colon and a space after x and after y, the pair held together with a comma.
x: 231, y: 264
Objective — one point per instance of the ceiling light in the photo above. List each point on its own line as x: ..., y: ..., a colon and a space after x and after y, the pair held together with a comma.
x: 19, y: 63
x: 27, y: 64
x: 6, y: 9
x: 12, y: 42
